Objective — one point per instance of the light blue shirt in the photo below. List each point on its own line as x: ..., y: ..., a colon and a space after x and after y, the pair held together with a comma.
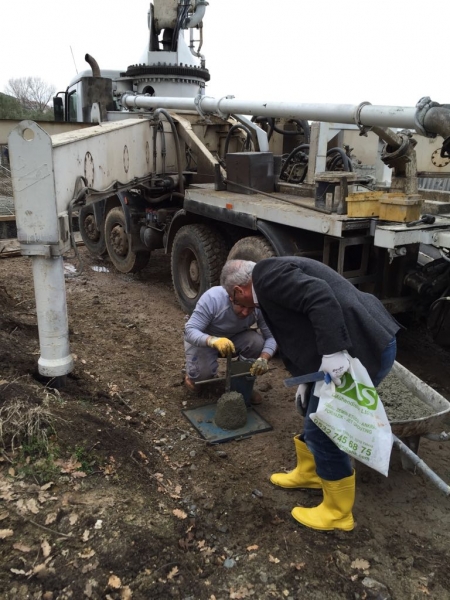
x: 214, y: 315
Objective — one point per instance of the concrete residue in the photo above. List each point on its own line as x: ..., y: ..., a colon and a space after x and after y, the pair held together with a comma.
x: 400, y: 403
x: 231, y: 412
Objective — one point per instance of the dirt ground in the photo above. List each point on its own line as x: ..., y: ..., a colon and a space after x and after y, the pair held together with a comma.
x: 131, y: 502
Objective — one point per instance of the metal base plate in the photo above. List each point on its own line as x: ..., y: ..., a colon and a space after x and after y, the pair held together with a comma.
x: 202, y: 419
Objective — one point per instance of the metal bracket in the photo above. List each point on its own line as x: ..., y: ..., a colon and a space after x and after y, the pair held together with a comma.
x: 390, y: 158
x: 36, y: 250
x: 363, y: 129
x: 224, y: 116
x: 96, y: 116
x: 198, y: 106
x: 396, y: 252
x: 422, y: 107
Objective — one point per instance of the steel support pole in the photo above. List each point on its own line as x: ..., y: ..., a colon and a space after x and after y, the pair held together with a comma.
x: 50, y: 292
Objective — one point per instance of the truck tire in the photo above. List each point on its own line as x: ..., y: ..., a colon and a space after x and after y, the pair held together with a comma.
x: 118, y: 244
x: 253, y: 248
x: 198, y: 255
x: 93, y: 239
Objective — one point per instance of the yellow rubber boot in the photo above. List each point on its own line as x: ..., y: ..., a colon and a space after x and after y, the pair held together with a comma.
x: 304, y: 475
x: 335, y: 512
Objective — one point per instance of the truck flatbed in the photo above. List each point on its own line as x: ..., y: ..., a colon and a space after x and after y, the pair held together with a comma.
x: 300, y: 212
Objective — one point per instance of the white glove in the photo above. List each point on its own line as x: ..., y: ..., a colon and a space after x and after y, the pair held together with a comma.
x: 335, y: 365
x: 300, y: 398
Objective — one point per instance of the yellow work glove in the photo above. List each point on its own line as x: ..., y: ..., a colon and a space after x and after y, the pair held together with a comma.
x: 259, y: 367
x: 223, y: 345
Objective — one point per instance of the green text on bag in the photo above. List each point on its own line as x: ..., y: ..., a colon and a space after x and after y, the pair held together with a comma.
x: 364, y: 395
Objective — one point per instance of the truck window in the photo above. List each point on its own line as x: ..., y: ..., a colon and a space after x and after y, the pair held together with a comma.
x: 73, y: 107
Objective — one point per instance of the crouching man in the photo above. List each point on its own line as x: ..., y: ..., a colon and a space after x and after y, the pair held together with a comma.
x: 220, y: 326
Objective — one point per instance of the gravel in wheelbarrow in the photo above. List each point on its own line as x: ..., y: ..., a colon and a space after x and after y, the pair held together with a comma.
x: 412, y: 406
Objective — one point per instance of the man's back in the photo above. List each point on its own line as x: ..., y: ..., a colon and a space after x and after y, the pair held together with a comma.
x: 312, y: 311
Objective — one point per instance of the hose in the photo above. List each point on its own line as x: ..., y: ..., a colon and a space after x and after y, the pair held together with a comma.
x: 163, y: 147
x: 183, y: 11
x: 345, y: 159
x: 294, y: 152
x: 304, y: 125
x: 232, y: 129
x: 270, y: 123
x: 166, y: 196
x: 78, y: 199
x: 166, y: 114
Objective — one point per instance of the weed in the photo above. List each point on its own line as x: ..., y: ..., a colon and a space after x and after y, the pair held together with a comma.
x: 37, y: 460
x: 86, y: 461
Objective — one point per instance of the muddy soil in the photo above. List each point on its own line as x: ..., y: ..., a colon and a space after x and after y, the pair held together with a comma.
x: 131, y: 502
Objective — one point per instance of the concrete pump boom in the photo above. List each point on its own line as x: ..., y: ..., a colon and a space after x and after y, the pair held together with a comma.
x: 427, y: 117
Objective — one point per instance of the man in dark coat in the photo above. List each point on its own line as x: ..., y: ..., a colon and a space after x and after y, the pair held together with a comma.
x: 316, y: 316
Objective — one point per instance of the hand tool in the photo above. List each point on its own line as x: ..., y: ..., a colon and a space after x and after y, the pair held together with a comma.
x: 424, y: 220
x: 311, y: 377
x: 217, y: 379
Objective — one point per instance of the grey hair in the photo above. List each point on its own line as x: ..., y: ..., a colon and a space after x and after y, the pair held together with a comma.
x: 236, y: 272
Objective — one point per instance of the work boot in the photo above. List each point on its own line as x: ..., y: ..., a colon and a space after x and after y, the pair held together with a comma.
x: 304, y: 475
x: 256, y: 398
x: 335, y: 512
x: 190, y: 385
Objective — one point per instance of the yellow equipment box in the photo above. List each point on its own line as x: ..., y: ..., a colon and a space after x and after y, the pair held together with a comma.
x: 400, y: 207
x: 364, y: 204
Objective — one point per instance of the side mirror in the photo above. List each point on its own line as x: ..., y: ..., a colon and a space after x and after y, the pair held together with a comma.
x: 58, y: 108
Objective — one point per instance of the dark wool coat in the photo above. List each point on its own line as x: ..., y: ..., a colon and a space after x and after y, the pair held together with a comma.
x: 311, y: 310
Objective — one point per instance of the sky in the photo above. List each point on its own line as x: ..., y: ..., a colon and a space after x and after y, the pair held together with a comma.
x: 388, y: 52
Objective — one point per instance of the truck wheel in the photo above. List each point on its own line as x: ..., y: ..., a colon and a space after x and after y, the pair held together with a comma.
x: 253, y: 248
x: 118, y: 244
x: 198, y: 255
x: 93, y: 239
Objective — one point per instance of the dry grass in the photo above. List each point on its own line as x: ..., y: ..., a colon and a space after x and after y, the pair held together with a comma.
x: 24, y: 423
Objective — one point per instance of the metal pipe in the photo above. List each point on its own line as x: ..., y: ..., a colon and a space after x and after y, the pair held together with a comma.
x: 51, y: 308
x: 368, y: 115
x: 93, y: 64
x: 197, y: 15
x: 228, y: 375
x: 390, y: 137
x: 191, y: 45
x: 216, y: 379
x: 422, y: 467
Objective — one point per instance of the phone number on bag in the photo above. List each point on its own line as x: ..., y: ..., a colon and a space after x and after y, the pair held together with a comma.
x: 342, y: 439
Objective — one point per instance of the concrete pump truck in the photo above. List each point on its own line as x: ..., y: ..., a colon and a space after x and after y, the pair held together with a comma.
x: 164, y: 166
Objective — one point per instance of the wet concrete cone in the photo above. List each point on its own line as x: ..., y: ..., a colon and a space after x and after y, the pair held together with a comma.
x: 231, y: 411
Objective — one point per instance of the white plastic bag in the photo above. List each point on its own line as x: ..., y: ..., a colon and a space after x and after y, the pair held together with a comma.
x: 353, y: 417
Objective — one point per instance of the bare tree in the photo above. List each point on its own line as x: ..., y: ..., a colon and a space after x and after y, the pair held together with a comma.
x: 32, y: 92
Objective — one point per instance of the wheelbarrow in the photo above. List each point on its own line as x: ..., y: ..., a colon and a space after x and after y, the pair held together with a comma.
x: 407, y: 433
